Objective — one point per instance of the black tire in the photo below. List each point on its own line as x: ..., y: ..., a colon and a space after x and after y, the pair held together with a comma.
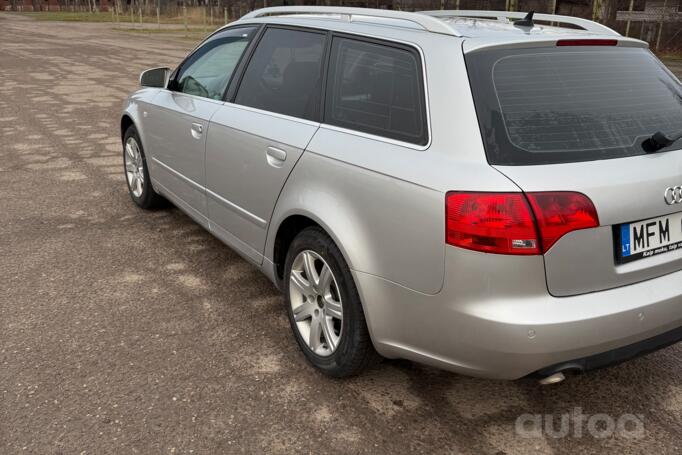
x: 149, y: 199
x: 355, y: 351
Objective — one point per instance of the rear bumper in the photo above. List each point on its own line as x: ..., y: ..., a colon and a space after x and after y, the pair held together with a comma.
x: 617, y: 355
x: 495, y: 318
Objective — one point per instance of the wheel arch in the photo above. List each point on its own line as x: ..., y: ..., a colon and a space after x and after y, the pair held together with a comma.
x: 126, y: 122
x: 293, y: 223
x: 133, y: 112
x: 288, y: 228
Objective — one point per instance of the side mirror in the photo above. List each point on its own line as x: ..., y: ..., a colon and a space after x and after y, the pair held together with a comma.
x: 155, y: 77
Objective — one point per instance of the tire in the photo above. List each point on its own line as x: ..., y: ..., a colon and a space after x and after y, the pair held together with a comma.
x: 135, y: 166
x: 308, y: 304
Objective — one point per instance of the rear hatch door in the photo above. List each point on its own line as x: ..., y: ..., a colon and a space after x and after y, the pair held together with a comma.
x: 574, y: 118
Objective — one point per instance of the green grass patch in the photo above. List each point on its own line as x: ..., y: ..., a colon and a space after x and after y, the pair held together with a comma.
x: 193, y: 34
x: 162, y: 31
x: 67, y: 16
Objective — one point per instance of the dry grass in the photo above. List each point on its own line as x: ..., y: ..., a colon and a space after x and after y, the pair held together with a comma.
x: 194, y: 17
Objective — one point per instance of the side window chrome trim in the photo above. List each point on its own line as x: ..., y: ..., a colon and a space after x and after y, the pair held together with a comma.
x: 374, y: 137
x: 273, y: 114
x: 427, y: 105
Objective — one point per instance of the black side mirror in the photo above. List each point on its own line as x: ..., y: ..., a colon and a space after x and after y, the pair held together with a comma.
x: 155, y: 77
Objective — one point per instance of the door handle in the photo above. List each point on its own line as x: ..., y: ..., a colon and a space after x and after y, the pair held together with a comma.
x: 197, y: 130
x: 275, y: 156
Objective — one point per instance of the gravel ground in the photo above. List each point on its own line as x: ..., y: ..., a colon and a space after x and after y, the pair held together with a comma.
x: 130, y: 332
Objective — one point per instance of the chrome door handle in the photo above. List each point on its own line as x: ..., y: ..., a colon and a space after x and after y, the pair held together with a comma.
x: 197, y: 130
x: 275, y: 156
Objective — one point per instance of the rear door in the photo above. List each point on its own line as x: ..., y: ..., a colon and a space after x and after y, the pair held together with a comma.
x: 255, y: 139
x: 177, y: 122
x: 574, y: 118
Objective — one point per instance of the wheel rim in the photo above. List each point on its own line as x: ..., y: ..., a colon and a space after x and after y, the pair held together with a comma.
x: 134, y: 165
x: 316, y: 303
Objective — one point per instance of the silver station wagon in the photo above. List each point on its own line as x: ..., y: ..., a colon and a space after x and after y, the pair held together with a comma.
x: 497, y: 194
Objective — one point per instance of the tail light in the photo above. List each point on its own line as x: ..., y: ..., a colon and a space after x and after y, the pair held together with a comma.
x: 515, y: 223
x: 490, y: 222
x: 557, y: 214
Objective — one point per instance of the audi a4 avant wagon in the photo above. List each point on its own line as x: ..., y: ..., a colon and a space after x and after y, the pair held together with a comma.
x: 497, y: 194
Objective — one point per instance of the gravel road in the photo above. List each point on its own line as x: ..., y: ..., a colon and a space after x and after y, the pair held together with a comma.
x: 130, y: 332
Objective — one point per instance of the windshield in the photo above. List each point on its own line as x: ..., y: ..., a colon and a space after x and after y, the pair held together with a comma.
x: 567, y: 104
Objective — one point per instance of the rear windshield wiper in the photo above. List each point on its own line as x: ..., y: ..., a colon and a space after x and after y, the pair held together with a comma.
x: 659, y: 141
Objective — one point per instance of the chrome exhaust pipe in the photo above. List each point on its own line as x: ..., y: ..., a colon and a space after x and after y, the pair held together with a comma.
x: 553, y: 379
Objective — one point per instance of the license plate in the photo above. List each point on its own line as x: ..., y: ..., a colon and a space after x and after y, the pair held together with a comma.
x: 649, y: 237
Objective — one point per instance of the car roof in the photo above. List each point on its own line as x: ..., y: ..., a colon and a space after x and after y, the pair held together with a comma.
x: 478, y: 29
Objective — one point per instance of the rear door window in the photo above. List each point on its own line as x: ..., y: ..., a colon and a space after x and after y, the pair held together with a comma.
x: 558, y: 105
x: 285, y: 73
x: 376, y: 89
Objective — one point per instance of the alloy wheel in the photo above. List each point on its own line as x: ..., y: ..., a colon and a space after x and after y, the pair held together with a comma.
x: 134, y: 166
x: 316, y: 303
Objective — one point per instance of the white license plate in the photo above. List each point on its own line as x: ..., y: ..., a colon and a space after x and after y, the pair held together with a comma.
x: 650, y: 237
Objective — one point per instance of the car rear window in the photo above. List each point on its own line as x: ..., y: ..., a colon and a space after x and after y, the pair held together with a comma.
x: 569, y: 104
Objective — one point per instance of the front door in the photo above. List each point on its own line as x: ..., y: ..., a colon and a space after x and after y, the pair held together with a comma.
x: 177, y: 122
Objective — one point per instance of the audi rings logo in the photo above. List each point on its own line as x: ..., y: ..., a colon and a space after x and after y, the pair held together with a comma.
x: 673, y: 195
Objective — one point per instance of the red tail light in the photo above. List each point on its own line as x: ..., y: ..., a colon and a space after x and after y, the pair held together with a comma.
x: 491, y: 222
x: 587, y: 42
x: 505, y: 223
x: 557, y: 214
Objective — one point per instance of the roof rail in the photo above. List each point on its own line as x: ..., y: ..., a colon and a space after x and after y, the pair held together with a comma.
x: 427, y: 22
x: 504, y: 16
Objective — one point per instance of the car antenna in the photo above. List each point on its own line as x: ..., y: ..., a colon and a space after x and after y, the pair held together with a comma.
x: 526, y: 21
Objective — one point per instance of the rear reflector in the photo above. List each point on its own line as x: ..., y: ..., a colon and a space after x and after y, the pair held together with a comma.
x: 514, y: 223
x: 587, y: 42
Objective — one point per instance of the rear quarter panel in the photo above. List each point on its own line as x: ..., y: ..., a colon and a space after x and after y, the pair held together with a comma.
x: 384, y: 226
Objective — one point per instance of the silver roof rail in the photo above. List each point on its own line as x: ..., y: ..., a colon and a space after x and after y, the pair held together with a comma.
x: 504, y: 16
x: 427, y: 22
